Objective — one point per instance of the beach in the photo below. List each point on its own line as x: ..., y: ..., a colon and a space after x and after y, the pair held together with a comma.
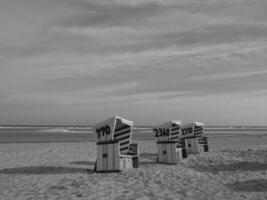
x: 235, y: 168
x: 104, y: 100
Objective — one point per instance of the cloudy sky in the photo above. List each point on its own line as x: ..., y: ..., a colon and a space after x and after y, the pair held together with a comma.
x: 150, y: 61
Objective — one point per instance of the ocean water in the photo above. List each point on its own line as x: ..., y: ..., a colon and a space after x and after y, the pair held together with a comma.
x: 35, y: 134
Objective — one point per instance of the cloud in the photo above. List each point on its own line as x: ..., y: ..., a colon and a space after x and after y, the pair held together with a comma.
x: 230, y: 75
x: 81, y: 53
x: 107, y: 13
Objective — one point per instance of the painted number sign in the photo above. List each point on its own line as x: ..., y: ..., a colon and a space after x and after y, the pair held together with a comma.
x: 187, y: 132
x: 105, y: 130
x: 161, y: 132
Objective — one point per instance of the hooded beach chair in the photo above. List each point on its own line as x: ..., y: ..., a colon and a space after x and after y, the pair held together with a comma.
x: 114, y: 149
x: 195, y: 142
x: 170, y: 147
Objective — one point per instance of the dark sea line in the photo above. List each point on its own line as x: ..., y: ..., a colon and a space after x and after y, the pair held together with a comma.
x: 47, y: 134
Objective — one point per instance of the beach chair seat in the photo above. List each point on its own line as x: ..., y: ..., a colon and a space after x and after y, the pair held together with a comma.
x: 114, y: 149
x: 167, y: 136
x: 203, y: 144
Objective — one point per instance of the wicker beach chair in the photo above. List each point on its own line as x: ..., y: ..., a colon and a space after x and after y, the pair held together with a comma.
x: 115, y: 152
x: 170, y: 148
x: 193, y: 135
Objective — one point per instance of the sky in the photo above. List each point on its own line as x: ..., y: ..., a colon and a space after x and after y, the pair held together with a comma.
x: 149, y: 61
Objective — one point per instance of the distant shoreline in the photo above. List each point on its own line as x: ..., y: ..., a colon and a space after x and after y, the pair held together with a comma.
x: 63, y: 134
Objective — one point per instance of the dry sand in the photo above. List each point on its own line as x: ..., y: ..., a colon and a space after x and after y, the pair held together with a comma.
x: 65, y: 171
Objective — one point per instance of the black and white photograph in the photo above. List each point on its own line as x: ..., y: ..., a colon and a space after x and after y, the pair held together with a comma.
x: 133, y: 99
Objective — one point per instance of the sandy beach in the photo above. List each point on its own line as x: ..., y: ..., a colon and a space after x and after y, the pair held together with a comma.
x: 235, y: 168
x: 87, y: 79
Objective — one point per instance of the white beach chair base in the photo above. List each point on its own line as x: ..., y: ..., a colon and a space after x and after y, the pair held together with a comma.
x: 194, y: 146
x: 191, y: 145
x: 110, y: 160
x: 168, y: 153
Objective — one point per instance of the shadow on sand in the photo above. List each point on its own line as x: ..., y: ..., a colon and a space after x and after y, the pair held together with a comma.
x: 241, y: 166
x: 151, y: 156
x: 83, y: 163
x: 45, y: 170
x: 150, y: 162
x: 255, y: 185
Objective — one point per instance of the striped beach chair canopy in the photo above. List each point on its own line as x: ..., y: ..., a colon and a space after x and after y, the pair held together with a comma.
x: 175, y: 130
x: 198, y: 129
x: 123, y: 133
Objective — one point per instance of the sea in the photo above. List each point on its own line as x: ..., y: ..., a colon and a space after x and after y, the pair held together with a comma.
x: 40, y: 134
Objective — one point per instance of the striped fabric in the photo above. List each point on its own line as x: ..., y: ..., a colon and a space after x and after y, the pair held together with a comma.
x: 175, y: 132
x: 122, y: 133
x: 198, y: 131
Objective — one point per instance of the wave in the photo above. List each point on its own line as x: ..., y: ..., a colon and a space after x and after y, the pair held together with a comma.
x: 64, y: 130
